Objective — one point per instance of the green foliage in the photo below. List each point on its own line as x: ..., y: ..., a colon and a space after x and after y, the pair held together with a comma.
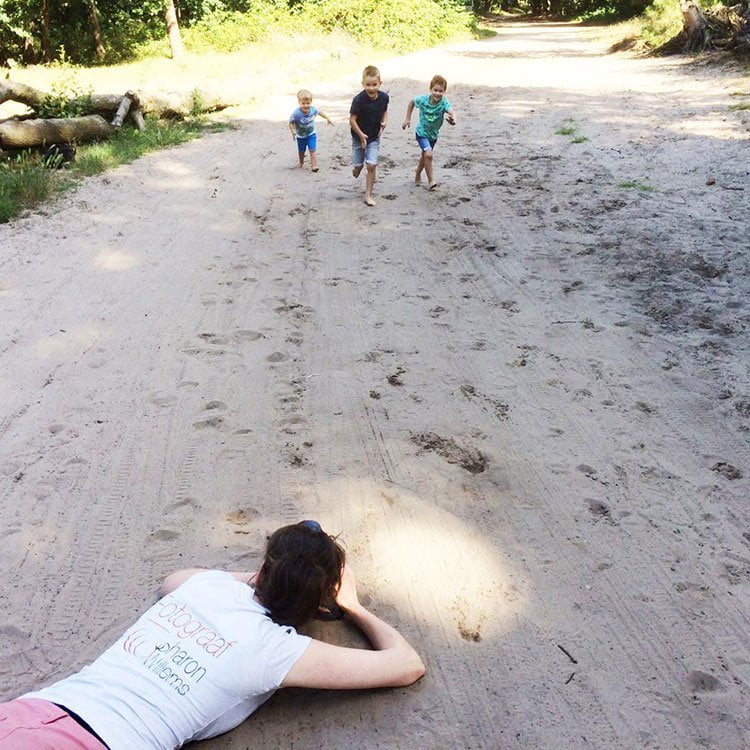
x: 661, y: 21
x: 399, y: 25
x: 569, y: 127
x: 643, y: 187
x: 229, y: 31
x: 132, y: 30
x: 739, y: 107
x: 66, y: 98
x: 127, y: 144
x: 25, y: 182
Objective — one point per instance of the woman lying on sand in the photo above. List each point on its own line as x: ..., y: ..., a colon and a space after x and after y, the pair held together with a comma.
x: 213, y: 649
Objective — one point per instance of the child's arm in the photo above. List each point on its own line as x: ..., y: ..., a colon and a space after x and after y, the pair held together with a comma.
x: 407, y: 119
x: 292, y: 129
x: 383, y: 123
x: 450, y: 117
x: 325, y: 117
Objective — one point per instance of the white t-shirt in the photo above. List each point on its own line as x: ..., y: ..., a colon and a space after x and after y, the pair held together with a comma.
x: 195, y: 665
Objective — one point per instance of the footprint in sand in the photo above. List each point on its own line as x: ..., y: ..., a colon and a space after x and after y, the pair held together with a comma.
x: 214, y: 417
x: 277, y: 357
x: 163, y: 535
x: 241, y: 518
x: 161, y: 398
x: 703, y: 682
x: 599, y: 510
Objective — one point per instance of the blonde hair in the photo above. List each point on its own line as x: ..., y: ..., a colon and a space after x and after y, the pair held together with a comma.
x: 370, y: 72
x: 439, y: 81
x: 304, y: 94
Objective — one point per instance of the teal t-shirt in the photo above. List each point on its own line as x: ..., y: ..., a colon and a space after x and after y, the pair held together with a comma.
x: 430, y: 116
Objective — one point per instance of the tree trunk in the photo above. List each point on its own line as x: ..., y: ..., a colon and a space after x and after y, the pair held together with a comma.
x: 694, y: 25
x: 173, y: 30
x: 44, y: 22
x: 96, y: 31
x: 174, y: 104
x: 29, y: 133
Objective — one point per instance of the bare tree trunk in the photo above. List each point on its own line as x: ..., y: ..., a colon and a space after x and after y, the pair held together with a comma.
x: 695, y: 26
x: 46, y: 48
x: 173, y: 30
x: 96, y: 31
x: 28, y: 133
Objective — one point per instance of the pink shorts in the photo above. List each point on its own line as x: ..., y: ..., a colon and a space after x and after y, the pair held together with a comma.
x: 32, y: 724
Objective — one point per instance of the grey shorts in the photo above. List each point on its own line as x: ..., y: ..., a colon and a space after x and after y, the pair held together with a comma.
x: 361, y: 155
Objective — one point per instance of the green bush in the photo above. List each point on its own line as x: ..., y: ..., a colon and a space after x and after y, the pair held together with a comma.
x: 66, y: 98
x: 661, y: 21
x: 397, y: 25
x: 24, y: 182
x: 229, y: 31
x: 400, y: 25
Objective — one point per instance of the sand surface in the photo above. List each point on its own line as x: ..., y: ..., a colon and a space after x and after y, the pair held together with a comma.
x: 522, y: 399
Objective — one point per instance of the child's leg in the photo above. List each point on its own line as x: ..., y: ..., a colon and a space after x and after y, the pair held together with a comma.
x: 427, y: 158
x: 301, y: 146
x: 370, y: 184
x: 420, y: 167
x: 371, y: 160
x: 312, y: 144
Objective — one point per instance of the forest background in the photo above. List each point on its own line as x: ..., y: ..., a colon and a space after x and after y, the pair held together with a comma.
x: 115, y: 31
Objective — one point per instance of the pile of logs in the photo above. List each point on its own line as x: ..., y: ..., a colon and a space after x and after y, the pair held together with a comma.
x: 103, y: 114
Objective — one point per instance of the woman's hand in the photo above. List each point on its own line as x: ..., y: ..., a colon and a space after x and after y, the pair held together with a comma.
x: 346, y: 597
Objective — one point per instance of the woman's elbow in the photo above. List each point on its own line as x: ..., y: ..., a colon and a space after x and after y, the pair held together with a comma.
x: 414, y: 670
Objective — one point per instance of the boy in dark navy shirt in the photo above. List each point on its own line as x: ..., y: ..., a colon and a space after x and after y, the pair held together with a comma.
x: 368, y: 117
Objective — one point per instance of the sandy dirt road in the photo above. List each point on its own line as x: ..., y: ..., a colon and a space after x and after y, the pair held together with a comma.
x: 522, y: 399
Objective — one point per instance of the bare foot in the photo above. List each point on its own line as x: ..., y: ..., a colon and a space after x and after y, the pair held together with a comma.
x: 370, y: 201
x: 418, y: 181
x: 314, y: 169
x: 433, y: 185
x: 356, y: 170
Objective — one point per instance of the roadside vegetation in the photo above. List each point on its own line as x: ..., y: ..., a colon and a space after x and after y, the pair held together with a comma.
x: 26, y: 180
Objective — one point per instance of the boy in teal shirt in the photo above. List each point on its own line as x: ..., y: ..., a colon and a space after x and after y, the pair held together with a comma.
x: 432, y: 108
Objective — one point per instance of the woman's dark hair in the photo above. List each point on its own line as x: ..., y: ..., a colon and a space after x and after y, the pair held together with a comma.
x: 300, y: 575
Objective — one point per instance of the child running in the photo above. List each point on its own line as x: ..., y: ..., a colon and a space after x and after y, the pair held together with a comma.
x: 302, y: 127
x: 368, y: 117
x: 432, y: 107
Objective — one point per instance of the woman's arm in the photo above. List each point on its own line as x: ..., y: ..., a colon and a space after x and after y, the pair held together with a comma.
x: 392, y: 663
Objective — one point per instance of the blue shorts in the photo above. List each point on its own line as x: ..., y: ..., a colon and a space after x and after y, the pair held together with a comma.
x: 307, y: 141
x: 361, y: 155
x: 425, y: 143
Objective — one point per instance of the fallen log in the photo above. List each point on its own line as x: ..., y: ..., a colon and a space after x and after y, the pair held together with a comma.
x: 31, y: 133
x: 136, y: 115
x: 126, y: 103
x: 174, y: 105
